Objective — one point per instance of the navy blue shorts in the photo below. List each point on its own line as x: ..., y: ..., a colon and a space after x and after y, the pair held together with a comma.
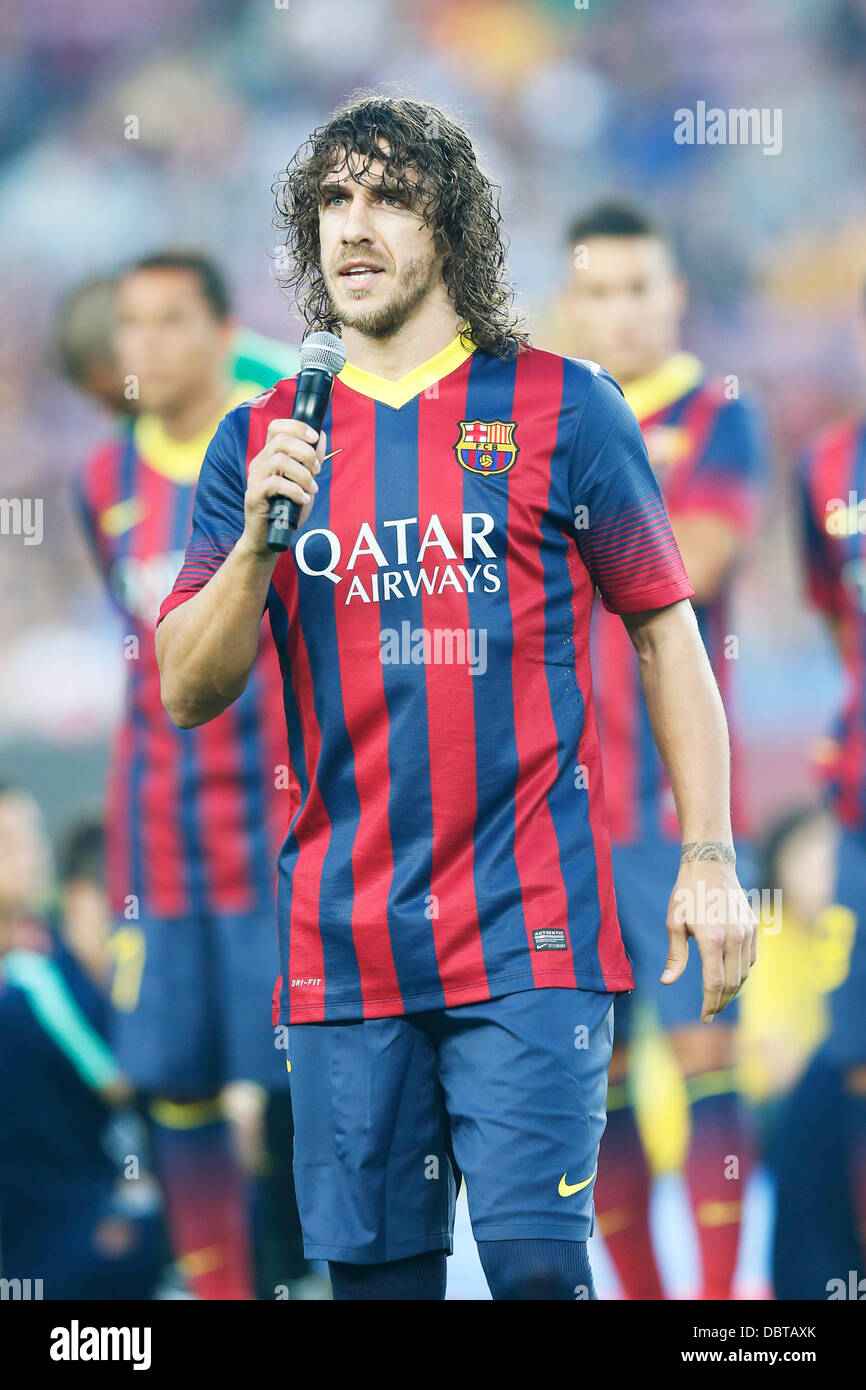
x: 192, y: 1004
x: 846, y: 1043
x: 644, y: 876
x: 510, y: 1093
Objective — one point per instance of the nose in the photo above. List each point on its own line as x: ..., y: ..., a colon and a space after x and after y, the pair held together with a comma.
x: 357, y: 225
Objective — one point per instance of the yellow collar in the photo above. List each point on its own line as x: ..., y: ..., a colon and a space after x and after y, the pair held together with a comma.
x: 397, y: 393
x: 660, y: 388
x: 180, y: 460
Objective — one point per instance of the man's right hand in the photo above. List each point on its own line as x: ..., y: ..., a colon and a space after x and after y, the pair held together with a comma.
x: 286, y: 467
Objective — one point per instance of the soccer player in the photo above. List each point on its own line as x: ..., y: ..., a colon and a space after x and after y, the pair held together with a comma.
x: 448, y: 932
x: 824, y: 1132
x: 193, y: 818
x: 624, y: 304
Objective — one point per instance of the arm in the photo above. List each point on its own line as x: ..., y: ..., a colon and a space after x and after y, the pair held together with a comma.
x: 206, y: 646
x: 688, y: 723
x: 709, y: 546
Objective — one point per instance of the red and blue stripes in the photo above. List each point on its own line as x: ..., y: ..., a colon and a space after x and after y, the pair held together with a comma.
x: 193, y: 816
x: 450, y: 841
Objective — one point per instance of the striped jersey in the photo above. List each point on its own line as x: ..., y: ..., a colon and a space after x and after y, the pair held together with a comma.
x: 707, y: 455
x: 832, y: 497
x: 432, y: 620
x: 194, y: 816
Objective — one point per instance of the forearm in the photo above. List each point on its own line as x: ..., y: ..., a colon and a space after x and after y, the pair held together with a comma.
x: 687, y: 719
x: 206, y: 647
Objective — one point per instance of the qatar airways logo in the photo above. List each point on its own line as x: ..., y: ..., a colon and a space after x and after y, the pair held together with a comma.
x: 407, y: 560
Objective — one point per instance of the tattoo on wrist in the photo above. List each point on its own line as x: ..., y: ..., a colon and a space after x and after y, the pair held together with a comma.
x: 707, y: 849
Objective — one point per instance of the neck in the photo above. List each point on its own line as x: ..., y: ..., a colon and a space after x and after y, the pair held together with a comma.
x: 193, y: 414
x: 651, y: 367
x: 414, y: 342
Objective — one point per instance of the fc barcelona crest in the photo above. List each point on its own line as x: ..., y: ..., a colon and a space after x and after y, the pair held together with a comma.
x: 486, y: 446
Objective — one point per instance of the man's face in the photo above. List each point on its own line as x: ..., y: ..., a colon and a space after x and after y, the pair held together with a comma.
x: 624, y: 303
x: 169, y: 337
x: 25, y: 854
x: 378, y: 258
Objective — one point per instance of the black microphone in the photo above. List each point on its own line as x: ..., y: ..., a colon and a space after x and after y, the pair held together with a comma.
x: 323, y: 356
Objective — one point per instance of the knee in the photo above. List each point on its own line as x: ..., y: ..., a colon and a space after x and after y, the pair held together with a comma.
x: 537, y: 1270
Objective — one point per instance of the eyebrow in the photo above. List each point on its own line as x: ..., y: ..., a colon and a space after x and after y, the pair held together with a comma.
x: 337, y: 188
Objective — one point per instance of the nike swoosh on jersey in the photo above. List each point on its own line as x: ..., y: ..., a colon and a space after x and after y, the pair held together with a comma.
x: 567, y: 1189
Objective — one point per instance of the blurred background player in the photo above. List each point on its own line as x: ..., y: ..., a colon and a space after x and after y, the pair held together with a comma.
x: 85, y: 349
x: 194, y: 818
x: 823, y: 1134
x: 624, y: 305
x: 70, y: 1214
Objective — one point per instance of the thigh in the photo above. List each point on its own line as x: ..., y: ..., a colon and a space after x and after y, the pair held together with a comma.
x: 246, y: 963
x: 525, y: 1081
x: 163, y: 1018
x: 372, y: 1162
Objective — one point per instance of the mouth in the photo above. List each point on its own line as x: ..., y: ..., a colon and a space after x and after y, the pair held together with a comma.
x: 360, y: 275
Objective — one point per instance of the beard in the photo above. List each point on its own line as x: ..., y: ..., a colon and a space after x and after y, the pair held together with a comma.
x: 413, y: 286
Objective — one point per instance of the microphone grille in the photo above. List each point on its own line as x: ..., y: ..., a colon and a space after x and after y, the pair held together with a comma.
x: 323, y: 352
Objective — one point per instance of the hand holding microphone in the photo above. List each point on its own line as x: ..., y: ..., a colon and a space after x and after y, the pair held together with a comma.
x: 322, y: 357
x: 281, y: 481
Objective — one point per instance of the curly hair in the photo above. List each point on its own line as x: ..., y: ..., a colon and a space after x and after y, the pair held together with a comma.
x: 452, y: 194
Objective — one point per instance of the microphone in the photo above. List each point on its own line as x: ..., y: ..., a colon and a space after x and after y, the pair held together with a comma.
x: 323, y: 356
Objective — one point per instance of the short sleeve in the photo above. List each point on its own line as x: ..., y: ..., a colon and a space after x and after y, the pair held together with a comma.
x: 218, y: 512
x: 730, y: 475
x: 822, y: 582
x: 621, y: 525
